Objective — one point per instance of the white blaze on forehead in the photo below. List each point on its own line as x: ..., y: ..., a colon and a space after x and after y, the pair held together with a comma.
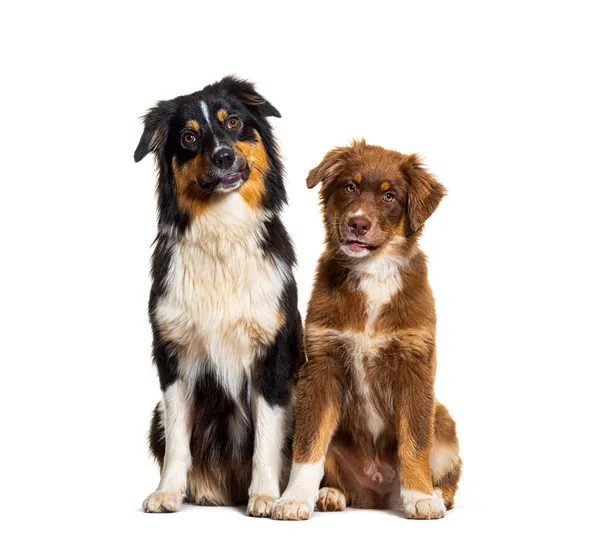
x: 205, y: 113
x: 206, y: 116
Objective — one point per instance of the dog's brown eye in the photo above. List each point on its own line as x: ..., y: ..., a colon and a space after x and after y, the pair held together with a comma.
x: 189, y: 138
x: 350, y: 187
x: 388, y: 197
x: 233, y: 122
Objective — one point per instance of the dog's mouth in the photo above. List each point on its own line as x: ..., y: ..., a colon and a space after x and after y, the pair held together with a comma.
x: 356, y: 248
x: 227, y: 182
x: 231, y: 181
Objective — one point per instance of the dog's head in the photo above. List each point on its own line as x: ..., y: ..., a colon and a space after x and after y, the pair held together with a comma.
x: 374, y: 200
x: 214, y: 141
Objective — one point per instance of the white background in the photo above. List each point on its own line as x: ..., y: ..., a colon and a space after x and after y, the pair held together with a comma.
x: 501, y: 98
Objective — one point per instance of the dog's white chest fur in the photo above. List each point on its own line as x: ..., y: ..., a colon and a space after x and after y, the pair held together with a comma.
x: 379, y: 281
x: 222, y: 301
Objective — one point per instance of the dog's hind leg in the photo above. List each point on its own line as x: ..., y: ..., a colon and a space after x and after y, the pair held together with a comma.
x: 444, y: 458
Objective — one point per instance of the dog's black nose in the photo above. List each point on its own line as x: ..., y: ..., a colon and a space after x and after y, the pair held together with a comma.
x: 359, y: 226
x: 223, y: 158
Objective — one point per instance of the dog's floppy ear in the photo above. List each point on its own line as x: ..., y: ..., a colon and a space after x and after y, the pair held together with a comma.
x: 156, y: 129
x: 247, y: 93
x: 424, y: 192
x: 329, y: 168
x: 262, y: 106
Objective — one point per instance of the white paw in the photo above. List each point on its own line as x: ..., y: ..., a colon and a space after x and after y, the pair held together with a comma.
x: 417, y: 505
x: 163, y: 502
x: 331, y: 500
x: 291, y: 509
x: 260, y: 506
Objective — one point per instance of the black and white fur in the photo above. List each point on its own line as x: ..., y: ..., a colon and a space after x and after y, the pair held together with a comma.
x: 223, y: 309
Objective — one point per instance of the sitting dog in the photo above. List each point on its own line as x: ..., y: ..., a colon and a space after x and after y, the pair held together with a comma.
x: 367, y: 421
x: 223, y: 304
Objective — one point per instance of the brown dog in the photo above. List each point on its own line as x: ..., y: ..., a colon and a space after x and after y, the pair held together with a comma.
x: 368, y: 423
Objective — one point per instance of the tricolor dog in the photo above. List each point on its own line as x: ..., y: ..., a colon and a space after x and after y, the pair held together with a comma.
x: 223, y: 305
x: 369, y: 430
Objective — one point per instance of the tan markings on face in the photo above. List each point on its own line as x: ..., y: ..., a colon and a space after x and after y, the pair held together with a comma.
x: 222, y: 114
x: 193, y: 125
x: 357, y: 178
x: 254, y: 188
x: 191, y: 199
x: 385, y: 186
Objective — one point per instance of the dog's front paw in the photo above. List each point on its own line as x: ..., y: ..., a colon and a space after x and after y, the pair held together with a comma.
x: 418, y: 505
x: 163, y: 502
x: 291, y: 509
x: 331, y: 500
x: 260, y: 506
